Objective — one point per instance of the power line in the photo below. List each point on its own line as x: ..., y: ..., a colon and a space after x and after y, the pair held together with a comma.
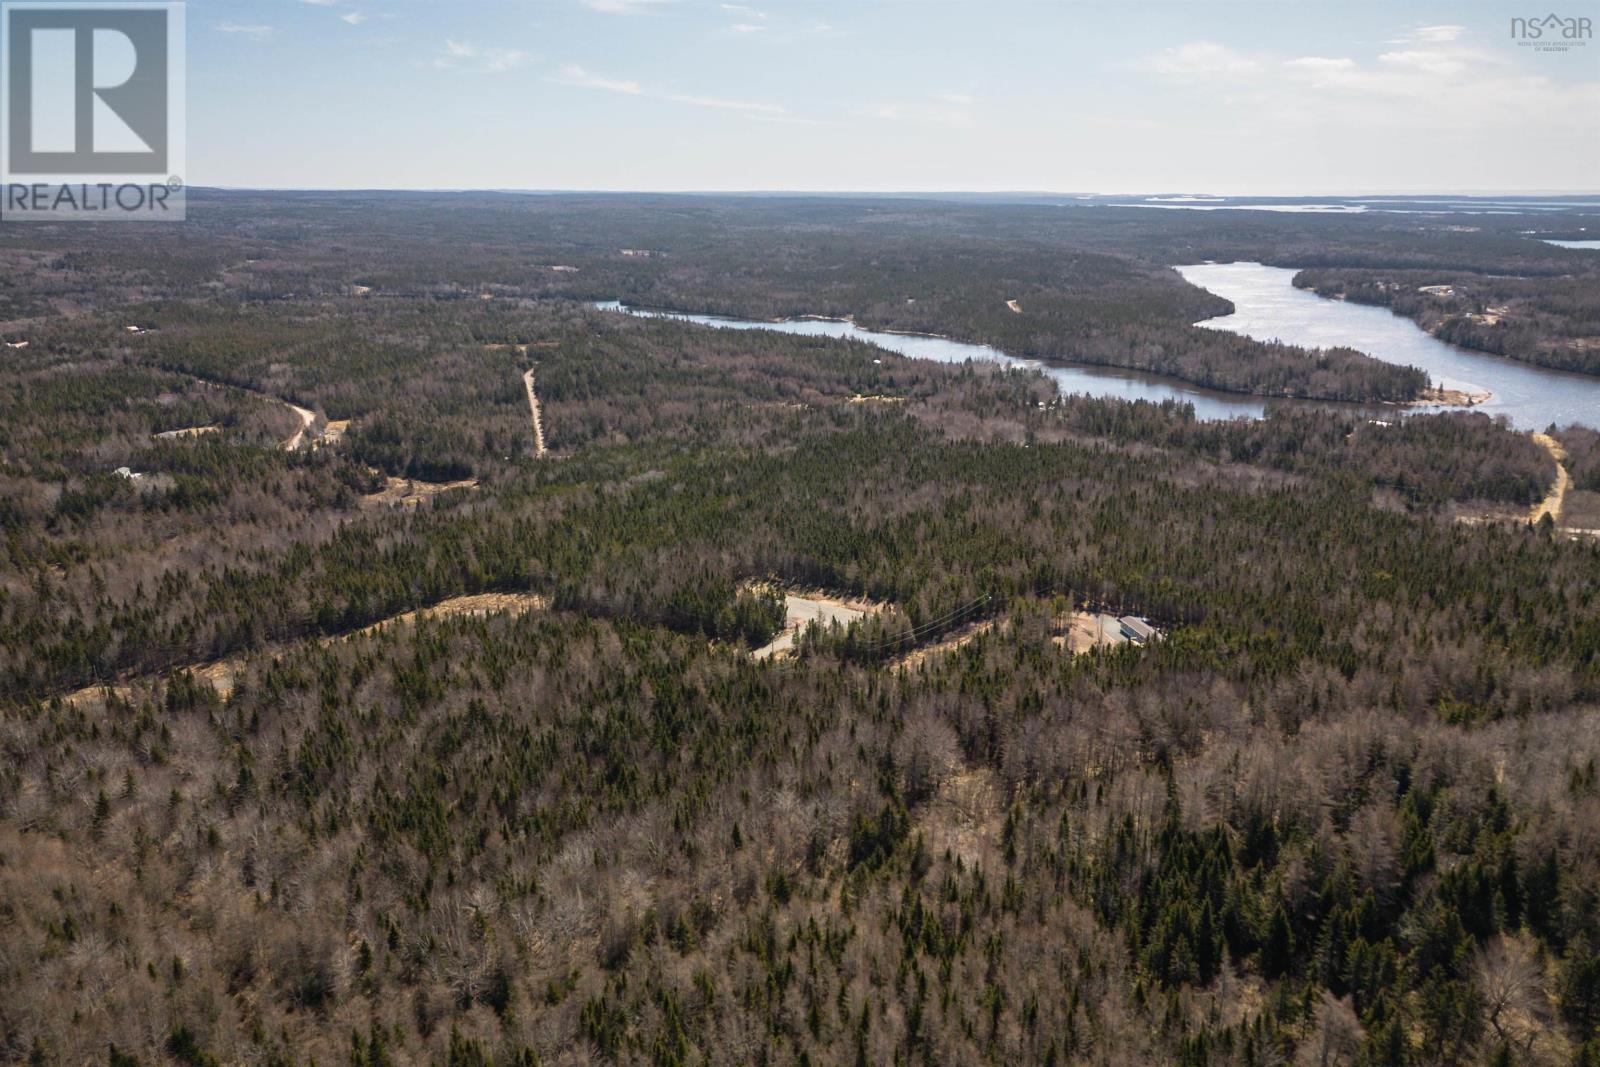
x: 918, y: 632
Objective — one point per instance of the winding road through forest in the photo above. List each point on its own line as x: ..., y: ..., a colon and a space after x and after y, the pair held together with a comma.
x: 306, y: 419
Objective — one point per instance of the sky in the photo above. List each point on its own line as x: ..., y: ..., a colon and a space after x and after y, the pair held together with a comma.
x: 1221, y: 96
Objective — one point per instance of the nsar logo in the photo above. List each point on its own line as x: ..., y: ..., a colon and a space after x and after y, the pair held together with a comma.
x: 1552, y: 33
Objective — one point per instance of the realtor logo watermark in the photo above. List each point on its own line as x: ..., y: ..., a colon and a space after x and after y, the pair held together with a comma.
x: 1552, y: 33
x: 92, y: 111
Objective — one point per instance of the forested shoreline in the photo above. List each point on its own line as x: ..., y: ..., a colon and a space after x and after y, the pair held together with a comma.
x: 1548, y: 322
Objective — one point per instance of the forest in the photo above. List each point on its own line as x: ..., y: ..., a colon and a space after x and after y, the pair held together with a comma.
x: 259, y: 806
x: 1549, y: 322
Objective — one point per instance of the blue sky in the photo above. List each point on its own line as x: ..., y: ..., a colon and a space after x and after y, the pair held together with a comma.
x: 1234, y: 96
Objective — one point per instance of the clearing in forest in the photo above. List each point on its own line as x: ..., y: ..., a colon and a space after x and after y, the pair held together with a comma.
x: 1085, y: 631
x: 333, y: 432
x: 472, y: 604
x: 409, y: 492
x: 800, y: 610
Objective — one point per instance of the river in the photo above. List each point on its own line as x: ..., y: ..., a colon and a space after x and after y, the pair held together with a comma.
x: 1267, y: 307
x: 1075, y: 379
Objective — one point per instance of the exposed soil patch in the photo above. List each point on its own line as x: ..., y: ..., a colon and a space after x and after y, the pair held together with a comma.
x: 800, y: 610
x: 408, y: 492
x: 1085, y: 631
x: 333, y: 433
x: 474, y: 604
x: 1459, y: 398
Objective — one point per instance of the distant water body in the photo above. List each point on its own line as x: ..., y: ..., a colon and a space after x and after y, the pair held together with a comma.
x: 1572, y: 244
x: 1070, y: 380
x: 1398, y: 205
x: 1267, y: 307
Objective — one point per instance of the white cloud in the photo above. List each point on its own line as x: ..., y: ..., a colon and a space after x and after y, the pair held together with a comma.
x: 354, y: 18
x: 746, y: 27
x: 1319, y: 64
x: 1435, y: 61
x: 721, y: 104
x: 320, y: 3
x: 624, y: 7
x: 1320, y: 70
x: 1423, y: 73
x: 1200, y: 59
x: 1436, y: 70
x: 1442, y: 34
x: 745, y: 12
x: 460, y: 55
x: 1414, y: 106
x: 799, y: 120
x: 574, y: 75
x: 255, y: 30
x: 1438, y: 92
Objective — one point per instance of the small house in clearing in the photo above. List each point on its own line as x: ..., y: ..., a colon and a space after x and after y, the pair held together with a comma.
x: 1108, y: 631
x: 1137, y: 630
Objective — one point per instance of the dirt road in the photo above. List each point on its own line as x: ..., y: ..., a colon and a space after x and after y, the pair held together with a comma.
x: 533, y: 406
x: 1551, y: 504
x: 190, y: 431
x: 306, y: 419
x: 222, y: 674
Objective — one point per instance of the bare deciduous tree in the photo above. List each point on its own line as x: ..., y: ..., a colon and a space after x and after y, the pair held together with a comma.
x: 1508, y: 976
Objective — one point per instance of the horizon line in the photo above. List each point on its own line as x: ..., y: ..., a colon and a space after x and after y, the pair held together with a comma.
x: 579, y: 190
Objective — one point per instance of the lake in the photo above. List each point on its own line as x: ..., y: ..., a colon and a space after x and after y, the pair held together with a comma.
x: 1571, y: 244
x: 1268, y: 307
